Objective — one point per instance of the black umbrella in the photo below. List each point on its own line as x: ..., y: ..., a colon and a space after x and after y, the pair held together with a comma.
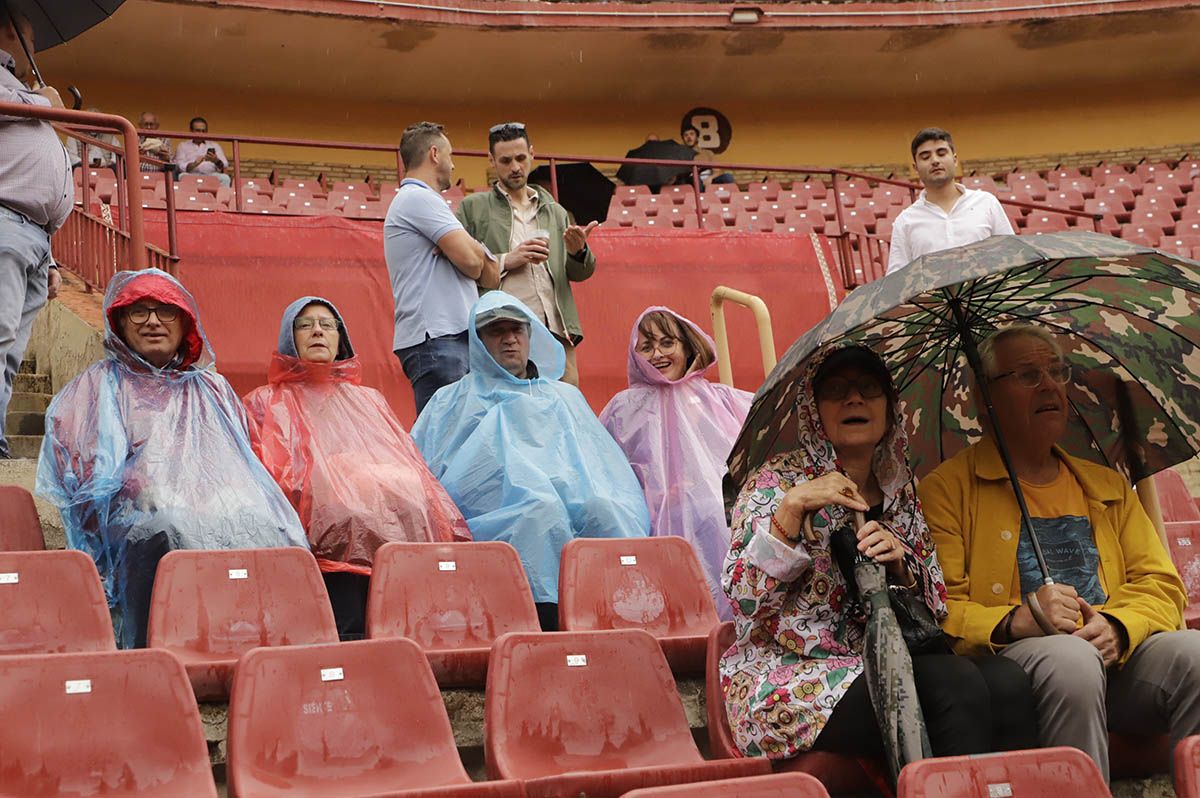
x: 57, y: 21
x: 632, y: 174
x: 582, y: 189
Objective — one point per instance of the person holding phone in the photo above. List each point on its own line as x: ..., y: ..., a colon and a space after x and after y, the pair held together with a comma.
x: 543, y: 252
x: 198, y: 156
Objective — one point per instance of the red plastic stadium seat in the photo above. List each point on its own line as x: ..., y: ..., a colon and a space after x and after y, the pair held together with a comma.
x: 1031, y: 186
x: 679, y: 194
x: 346, y: 187
x: 52, y: 602
x: 311, y: 187
x: 196, y: 202
x: 20, y: 528
x: 876, y: 208
x: 1187, y: 768
x: 1067, y: 198
x: 1163, y: 187
x: 1043, y: 773
x: 1158, y: 218
x: 435, y: 594
x: 1121, y: 179
x: 210, y: 607
x: 745, y: 201
x: 892, y: 195
x: 651, y: 221
x: 652, y: 583
x: 388, y: 189
x: 980, y: 183
x: 767, y: 190
x: 778, y: 785
x: 591, y: 712
x: 629, y: 194
x: 827, y: 207
x: 838, y: 773
x: 1183, y: 540
x: 1043, y: 222
x: 1121, y: 192
x: 331, y: 721
x: 151, y: 199
x: 114, y: 724
x: 306, y: 206
x: 756, y: 222
x: 715, y: 221
x: 1084, y: 185
x: 652, y: 204
x: 1145, y: 234
x: 1154, y: 202
x: 814, y: 188
x: 1180, y: 245
x: 1148, y: 171
x: 815, y: 219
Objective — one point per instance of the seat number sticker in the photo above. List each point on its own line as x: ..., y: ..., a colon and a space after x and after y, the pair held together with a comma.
x: 1001, y: 790
x: 447, y: 565
x: 10, y: 579
x: 74, y: 686
x: 238, y: 573
x: 576, y: 660
x: 332, y: 674
x: 628, y: 559
x: 1179, y: 541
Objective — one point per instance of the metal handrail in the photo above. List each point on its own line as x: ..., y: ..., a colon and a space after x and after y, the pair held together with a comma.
x: 762, y: 320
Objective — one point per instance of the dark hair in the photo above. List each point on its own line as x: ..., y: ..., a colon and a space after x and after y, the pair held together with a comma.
x: 699, y: 354
x: 509, y: 131
x: 196, y: 119
x: 931, y: 134
x: 858, y: 357
x: 692, y: 128
x: 416, y: 141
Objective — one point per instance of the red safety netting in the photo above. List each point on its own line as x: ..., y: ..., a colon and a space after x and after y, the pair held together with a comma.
x: 245, y: 269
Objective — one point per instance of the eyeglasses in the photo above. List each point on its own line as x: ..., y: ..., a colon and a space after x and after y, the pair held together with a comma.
x: 663, y: 345
x: 140, y: 314
x: 306, y: 324
x: 1031, y: 376
x: 506, y: 126
x: 835, y: 389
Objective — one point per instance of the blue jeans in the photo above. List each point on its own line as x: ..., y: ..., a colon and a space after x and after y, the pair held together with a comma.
x: 24, y: 263
x: 435, y: 363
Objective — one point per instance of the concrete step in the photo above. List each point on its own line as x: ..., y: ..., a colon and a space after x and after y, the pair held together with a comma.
x: 32, y: 383
x: 24, y: 446
x: 29, y: 402
x: 25, y: 423
x: 27, y: 367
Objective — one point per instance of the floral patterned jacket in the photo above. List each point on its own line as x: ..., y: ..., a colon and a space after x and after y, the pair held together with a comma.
x: 799, y: 634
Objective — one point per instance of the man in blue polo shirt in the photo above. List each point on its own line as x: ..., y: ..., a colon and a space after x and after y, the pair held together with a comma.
x: 436, y: 268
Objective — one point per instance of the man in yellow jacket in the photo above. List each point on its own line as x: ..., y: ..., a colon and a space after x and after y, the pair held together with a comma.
x: 1101, y: 644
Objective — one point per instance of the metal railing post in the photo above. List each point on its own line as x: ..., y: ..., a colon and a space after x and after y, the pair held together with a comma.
x: 554, y: 179
x: 237, y: 174
x: 697, y: 191
x: 762, y: 319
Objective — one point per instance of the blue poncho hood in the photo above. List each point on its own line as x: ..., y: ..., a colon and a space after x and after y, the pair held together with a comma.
x: 526, y: 460
x: 287, y: 336
x: 141, y: 460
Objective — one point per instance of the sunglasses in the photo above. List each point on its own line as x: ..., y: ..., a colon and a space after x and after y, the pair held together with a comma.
x: 835, y: 389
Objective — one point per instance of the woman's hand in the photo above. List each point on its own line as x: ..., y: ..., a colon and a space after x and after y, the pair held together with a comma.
x: 809, y: 497
x: 878, y: 543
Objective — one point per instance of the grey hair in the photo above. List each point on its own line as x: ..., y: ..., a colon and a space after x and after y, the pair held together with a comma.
x: 987, y: 347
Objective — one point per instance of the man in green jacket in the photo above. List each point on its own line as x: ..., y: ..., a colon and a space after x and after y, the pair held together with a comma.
x: 542, y: 252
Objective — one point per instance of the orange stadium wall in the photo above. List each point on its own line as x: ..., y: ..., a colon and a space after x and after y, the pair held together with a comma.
x: 244, y: 270
x: 819, y: 133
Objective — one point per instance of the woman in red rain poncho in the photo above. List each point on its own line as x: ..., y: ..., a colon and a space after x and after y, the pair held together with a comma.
x: 342, y: 458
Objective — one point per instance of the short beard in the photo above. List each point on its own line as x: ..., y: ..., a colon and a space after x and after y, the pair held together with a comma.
x: 937, y: 182
x: 508, y: 185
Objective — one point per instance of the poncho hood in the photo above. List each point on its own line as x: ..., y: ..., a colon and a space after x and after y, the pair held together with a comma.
x: 129, y: 287
x: 544, y: 349
x: 287, y: 338
x: 641, y: 372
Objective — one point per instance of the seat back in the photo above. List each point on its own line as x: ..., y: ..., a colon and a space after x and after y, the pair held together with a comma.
x: 777, y: 785
x: 1187, y: 767
x: 634, y: 583
x: 1041, y: 773
x: 1174, y: 497
x: 449, y: 595
x: 306, y: 716
x: 226, y: 602
x: 720, y: 737
x: 112, y: 724
x: 582, y: 701
x: 1183, y: 540
x: 52, y: 602
x: 20, y: 528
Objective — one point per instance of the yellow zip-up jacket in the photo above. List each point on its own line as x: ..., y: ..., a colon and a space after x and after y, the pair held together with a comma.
x: 971, y: 510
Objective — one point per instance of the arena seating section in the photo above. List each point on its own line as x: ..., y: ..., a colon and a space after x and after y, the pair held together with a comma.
x: 593, y: 710
x: 1150, y: 203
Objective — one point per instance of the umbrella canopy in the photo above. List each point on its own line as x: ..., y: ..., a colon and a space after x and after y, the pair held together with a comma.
x: 57, y: 21
x: 887, y: 664
x: 582, y: 189
x: 643, y: 175
x: 1126, y: 317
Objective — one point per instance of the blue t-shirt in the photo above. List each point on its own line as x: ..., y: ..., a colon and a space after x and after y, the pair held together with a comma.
x: 1060, y: 519
x: 432, y: 297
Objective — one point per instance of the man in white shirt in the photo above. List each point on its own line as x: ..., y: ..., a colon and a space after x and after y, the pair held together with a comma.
x: 198, y: 156
x: 945, y: 214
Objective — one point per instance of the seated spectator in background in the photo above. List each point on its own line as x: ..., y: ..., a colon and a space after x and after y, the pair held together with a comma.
x: 435, y: 267
x: 677, y: 428
x: 198, y: 156
x: 342, y: 458
x: 153, y: 146
x: 945, y: 214
x: 146, y: 451
x: 97, y: 157
x: 691, y: 138
x: 794, y: 680
x: 1105, y: 654
x: 521, y: 453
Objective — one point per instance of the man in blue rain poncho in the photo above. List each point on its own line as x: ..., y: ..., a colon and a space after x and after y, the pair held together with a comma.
x: 522, y: 454
x: 146, y: 451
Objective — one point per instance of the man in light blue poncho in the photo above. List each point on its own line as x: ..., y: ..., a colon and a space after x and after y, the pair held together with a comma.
x: 146, y: 451
x: 522, y: 454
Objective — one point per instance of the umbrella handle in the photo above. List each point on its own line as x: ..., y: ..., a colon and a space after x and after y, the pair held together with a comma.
x: 77, y: 98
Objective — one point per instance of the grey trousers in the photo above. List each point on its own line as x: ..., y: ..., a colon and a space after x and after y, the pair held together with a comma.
x: 24, y: 262
x: 1079, y: 700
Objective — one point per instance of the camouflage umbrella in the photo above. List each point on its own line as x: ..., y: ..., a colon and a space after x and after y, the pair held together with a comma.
x: 1127, y: 318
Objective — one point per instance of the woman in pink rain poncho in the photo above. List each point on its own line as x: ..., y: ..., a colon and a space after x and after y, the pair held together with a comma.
x: 342, y: 458
x: 677, y: 428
